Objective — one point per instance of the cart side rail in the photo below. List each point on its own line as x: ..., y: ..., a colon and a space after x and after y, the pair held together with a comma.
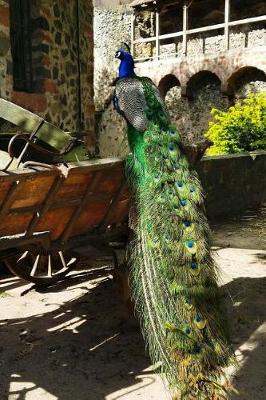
x: 93, y: 196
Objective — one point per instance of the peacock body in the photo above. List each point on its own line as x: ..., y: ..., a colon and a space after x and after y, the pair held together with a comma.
x: 173, y: 275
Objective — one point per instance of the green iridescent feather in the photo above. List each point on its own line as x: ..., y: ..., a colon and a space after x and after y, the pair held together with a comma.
x: 173, y: 275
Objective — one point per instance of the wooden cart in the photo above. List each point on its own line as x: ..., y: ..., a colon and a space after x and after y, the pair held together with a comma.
x: 44, y: 215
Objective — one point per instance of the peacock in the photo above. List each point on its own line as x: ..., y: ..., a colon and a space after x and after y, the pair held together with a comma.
x: 173, y: 276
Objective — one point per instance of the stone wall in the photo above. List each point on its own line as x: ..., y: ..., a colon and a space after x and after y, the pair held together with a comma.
x: 56, y: 92
x: 233, y: 183
x: 192, y: 88
x: 112, y: 27
x: 192, y: 115
x: 5, y: 52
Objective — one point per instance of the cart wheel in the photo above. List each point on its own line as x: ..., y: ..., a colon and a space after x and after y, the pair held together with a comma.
x: 40, y: 268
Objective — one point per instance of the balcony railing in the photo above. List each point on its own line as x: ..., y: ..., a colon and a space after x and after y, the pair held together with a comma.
x: 184, y: 34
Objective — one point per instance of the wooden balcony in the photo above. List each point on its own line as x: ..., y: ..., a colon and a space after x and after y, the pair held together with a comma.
x: 185, y: 35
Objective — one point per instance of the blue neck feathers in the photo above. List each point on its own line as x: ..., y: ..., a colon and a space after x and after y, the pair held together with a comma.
x: 126, y: 68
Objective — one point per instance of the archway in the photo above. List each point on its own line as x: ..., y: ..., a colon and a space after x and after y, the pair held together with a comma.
x: 242, y: 77
x: 168, y: 82
x: 201, y: 80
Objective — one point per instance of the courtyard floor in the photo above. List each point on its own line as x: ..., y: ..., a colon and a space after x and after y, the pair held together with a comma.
x: 73, y: 341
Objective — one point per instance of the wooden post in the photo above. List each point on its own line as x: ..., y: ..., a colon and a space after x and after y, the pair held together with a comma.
x: 133, y: 21
x: 226, y: 23
x: 157, y: 34
x: 185, y: 28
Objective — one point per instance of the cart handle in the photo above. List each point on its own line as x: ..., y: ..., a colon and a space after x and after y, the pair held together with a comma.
x: 36, y: 146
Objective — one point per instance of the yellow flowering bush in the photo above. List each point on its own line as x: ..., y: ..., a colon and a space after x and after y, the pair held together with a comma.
x: 242, y: 128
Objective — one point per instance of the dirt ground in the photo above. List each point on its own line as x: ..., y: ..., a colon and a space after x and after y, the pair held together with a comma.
x: 73, y: 341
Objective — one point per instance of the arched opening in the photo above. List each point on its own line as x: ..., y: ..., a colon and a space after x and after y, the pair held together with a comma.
x: 201, y: 80
x: 244, y: 80
x: 167, y: 83
x: 191, y: 114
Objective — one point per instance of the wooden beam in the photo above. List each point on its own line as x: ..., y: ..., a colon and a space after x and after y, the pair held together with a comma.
x: 113, y: 205
x: 226, y: 23
x: 133, y: 28
x: 209, y: 28
x: 203, y: 29
x: 45, y: 206
x: 248, y: 20
x: 157, y: 34
x: 185, y: 28
x: 10, y: 198
x: 88, y: 193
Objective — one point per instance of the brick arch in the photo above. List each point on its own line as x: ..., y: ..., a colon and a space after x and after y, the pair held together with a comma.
x: 198, y: 78
x: 242, y: 75
x: 167, y: 82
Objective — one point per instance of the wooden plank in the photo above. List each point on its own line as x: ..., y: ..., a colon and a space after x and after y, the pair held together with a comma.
x: 226, y: 23
x: 90, y: 218
x: 4, y: 188
x: 133, y: 27
x: 205, y: 29
x: 261, y: 18
x: 185, y: 27
x: 145, y: 40
x: 83, y: 166
x: 171, y: 35
x: 208, y: 28
x: 32, y: 192
x: 113, y: 204
x: 10, y: 198
x: 56, y: 204
x: 74, y: 186
x: 120, y: 212
x: 13, y: 224
x: 19, y: 116
x: 55, y: 221
x: 13, y: 241
x: 45, y: 206
x: 89, y: 192
x: 20, y: 205
x: 32, y: 123
x: 112, y: 181
x: 157, y: 34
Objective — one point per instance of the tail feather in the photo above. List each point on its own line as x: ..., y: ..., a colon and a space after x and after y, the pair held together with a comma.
x: 174, y: 277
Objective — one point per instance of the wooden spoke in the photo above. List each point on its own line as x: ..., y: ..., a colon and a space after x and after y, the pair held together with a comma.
x: 40, y: 268
x: 71, y: 261
x: 62, y: 259
x: 24, y: 255
x: 35, y: 265
x: 49, y: 266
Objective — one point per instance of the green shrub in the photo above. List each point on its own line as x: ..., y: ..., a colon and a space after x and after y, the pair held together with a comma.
x: 241, y: 128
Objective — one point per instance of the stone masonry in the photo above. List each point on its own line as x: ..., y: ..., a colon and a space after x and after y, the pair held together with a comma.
x: 57, y: 67
x: 209, y: 76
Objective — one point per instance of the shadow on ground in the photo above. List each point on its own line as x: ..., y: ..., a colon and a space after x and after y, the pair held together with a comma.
x: 84, y: 349
x: 248, y: 315
x: 78, y: 343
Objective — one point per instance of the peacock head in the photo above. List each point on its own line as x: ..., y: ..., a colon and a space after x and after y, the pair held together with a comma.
x: 127, y: 65
x: 121, y: 54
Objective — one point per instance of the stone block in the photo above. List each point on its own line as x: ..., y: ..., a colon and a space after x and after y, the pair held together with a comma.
x: 4, y: 15
x: 233, y: 183
x: 4, y: 44
x: 47, y: 86
x: 33, y: 102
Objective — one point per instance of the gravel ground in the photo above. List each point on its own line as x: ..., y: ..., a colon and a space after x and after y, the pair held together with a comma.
x: 75, y: 341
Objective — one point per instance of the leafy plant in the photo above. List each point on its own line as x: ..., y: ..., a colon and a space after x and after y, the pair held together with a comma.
x: 241, y: 128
